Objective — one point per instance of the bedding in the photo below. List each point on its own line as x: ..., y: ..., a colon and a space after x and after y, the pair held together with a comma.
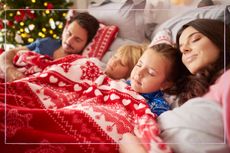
x: 69, y: 105
x: 185, y: 137
x: 101, y: 41
x: 175, y: 23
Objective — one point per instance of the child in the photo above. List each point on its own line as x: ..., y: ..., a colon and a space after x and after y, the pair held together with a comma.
x: 122, y: 62
x: 156, y: 71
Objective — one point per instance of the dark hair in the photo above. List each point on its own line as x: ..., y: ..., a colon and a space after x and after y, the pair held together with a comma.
x: 177, y: 68
x: 218, y: 33
x: 86, y: 21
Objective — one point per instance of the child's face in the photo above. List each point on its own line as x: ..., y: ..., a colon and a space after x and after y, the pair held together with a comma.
x: 150, y: 73
x: 116, y: 69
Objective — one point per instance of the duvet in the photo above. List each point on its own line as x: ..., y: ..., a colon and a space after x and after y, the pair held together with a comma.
x: 70, y: 105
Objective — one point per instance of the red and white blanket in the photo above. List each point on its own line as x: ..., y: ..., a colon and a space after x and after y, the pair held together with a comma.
x: 69, y: 105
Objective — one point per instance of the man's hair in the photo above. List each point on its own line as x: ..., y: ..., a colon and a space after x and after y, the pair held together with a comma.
x: 86, y: 21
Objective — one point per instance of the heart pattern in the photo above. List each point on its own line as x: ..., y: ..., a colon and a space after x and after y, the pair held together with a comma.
x: 97, y: 92
x: 126, y: 102
x: 77, y: 87
x: 106, y: 98
x: 53, y: 79
x: 139, y: 106
x: 114, y: 96
x: 61, y: 84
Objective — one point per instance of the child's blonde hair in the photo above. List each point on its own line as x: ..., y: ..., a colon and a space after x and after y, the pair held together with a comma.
x: 130, y: 54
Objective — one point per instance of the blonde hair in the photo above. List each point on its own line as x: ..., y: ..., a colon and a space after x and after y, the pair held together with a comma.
x: 130, y: 54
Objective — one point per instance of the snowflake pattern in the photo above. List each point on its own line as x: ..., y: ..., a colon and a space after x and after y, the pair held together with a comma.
x: 90, y: 71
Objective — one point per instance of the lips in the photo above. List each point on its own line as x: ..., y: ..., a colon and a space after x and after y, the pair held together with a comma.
x: 67, y: 47
x: 137, y: 82
x: 190, y: 58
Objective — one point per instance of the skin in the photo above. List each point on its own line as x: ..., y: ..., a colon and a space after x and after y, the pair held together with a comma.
x: 116, y: 69
x: 151, y: 67
x: 197, y: 50
x: 130, y: 144
x: 74, y: 40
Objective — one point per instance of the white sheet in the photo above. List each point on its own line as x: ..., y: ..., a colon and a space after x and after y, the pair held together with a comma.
x: 195, y: 127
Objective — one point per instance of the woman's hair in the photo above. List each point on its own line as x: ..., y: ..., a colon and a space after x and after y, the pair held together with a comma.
x: 86, y: 21
x: 218, y: 33
x: 130, y: 54
x: 177, y: 68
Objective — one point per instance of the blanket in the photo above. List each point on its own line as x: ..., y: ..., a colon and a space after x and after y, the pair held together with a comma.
x: 70, y: 105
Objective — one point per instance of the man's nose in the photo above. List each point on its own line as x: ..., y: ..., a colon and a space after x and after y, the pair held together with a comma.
x: 70, y: 40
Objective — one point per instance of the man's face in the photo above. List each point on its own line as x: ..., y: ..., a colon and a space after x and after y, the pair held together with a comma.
x: 74, y: 38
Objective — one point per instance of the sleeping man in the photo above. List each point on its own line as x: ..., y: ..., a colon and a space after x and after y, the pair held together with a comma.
x: 79, y: 31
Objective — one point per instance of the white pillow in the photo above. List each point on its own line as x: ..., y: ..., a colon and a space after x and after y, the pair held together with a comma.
x: 128, y: 16
x: 195, y: 127
x: 114, y: 46
x: 175, y: 23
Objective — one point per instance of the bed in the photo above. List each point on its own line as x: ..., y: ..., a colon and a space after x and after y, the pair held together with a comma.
x: 69, y: 105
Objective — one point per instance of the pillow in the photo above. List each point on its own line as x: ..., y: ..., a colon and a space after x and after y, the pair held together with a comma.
x: 127, y: 15
x: 101, y: 41
x: 114, y: 46
x: 175, y: 23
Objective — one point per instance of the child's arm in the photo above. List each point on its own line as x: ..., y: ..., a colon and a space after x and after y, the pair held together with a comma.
x: 131, y: 144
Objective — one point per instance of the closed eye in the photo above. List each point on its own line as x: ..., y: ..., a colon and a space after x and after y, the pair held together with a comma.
x: 152, y: 72
x: 139, y: 64
x: 78, y: 39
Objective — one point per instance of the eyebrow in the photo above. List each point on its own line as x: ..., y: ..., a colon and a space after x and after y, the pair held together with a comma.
x: 149, y: 67
x: 75, y: 37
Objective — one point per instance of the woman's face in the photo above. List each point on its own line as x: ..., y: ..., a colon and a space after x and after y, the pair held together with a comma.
x: 74, y: 38
x: 150, y: 73
x: 116, y: 69
x: 198, y: 51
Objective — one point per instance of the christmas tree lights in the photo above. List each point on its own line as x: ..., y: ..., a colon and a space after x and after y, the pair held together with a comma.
x: 23, y: 21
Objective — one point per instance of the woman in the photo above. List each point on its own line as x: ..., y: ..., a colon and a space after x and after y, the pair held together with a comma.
x: 197, y: 126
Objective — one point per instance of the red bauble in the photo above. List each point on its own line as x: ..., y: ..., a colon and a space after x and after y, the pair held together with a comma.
x: 10, y: 23
x: 1, y: 24
x: 50, y: 6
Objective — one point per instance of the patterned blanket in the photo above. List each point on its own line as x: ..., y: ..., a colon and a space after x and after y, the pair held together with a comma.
x: 70, y: 105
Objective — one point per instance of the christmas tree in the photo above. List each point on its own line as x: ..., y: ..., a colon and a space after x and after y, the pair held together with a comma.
x: 23, y: 21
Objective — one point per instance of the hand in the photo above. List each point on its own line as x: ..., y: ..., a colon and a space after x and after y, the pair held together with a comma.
x: 13, y: 74
x: 130, y: 144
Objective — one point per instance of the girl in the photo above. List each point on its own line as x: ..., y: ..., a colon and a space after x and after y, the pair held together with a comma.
x: 156, y: 71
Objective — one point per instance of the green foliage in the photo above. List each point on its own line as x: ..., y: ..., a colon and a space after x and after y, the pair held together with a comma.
x: 26, y: 20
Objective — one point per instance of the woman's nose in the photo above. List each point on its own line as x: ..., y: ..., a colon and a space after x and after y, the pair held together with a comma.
x: 185, y: 48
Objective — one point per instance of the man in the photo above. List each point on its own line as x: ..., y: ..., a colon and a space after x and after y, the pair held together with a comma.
x: 78, y: 32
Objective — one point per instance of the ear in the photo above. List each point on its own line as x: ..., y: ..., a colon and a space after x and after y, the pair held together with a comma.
x: 166, y: 85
